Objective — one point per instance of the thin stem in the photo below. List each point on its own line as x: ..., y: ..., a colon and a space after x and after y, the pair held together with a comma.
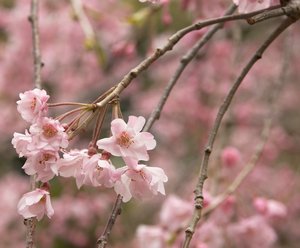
x: 172, y: 41
x: 98, y: 126
x: 71, y: 112
x: 273, y: 102
x: 222, y: 110
x: 36, y: 52
x: 185, y: 60
x: 103, y: 239
x: 37, y: 65
x: 61, y: 104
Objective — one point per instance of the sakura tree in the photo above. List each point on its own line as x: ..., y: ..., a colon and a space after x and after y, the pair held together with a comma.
x: 213, y: 164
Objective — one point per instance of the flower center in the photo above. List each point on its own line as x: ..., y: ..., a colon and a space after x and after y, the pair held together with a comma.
x: 124, y: 140
x: 49, y: 131
x: 33, y: 103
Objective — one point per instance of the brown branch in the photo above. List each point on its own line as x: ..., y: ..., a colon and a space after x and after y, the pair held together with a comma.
x: 221, y: 112
x: 102, y: 241
x: 185, y: 60
x: 37, y: 66
x: 172, y: 41
x: 36, y: 52
x: 273, y: 102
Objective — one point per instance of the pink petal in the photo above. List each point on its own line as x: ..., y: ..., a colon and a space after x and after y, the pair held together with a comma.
x: 118, y: 126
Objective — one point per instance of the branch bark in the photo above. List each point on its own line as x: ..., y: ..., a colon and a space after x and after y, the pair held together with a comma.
x: 221, y: 112
x: 172, y: 41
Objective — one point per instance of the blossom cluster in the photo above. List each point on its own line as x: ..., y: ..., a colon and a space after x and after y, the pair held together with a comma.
x: 46, y: 139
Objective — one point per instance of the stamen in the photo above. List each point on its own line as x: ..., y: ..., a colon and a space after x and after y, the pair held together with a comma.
x: 124, y: 140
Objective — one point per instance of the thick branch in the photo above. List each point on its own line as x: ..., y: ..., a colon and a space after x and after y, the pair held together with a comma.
x: 185, y: 60
x: 222, y: 110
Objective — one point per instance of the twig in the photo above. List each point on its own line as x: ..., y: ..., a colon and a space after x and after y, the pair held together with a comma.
x: 36, y: 52
x: 172, y: 41
x: 102, y: 241
x: 222, y: 110
x: 37, y: 65
x: 273, y: 102
x: 185, y: 60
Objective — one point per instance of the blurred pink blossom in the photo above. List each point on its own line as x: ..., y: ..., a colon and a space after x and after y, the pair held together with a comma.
x: 35, y: 204
x: 151, y: 237
x: 230, y: 156
x: 270, y: 208
x: 246, y: 6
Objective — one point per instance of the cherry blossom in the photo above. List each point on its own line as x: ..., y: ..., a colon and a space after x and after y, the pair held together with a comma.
x: 35, y: 204
x: 43, y: 163
x: 142, y: 182
x: 48, y: 134
x: 127, y: 140
x: 151, y: 1
x: 230, y: 156
x: 33, y: 105
x: 21, y: 142
x: 71, y: 165
x: 151, y: 236
x: 270, y: 208
x: 100, y: 172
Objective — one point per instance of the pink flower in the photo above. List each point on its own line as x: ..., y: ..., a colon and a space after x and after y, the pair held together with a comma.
x: 142, y: 182
x: 48, y: 134
x: 127, y: 140
x: 175, y: 213
x: 33, y: 105
x: 71, y: 165
x: 35, y: 204
x: 270, y: 208
x: 101, y: 172
x: 230, y: 156
x: 252, y: 232
x: 43, y: 163
x: 21, y: 142
x: 151, y: 1
x: 246, y: 6
x: 151, y: 237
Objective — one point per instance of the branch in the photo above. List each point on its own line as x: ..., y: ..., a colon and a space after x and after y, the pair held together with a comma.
x: 37, y: 65
x: 273, y: 102
x: 185, y: 60
x: 221, y: 112
x: 172, y: 41
x: 102, y: 241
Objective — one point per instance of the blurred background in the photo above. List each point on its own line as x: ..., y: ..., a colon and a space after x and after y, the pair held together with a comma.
x: 80, y: 66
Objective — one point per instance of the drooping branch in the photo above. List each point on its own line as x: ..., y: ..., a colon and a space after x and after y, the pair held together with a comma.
x: 37, y: 67
x: 172, y: 41
x: 221, y: 112
x: 273, y: 103
x: 36, y: 52
x: 185, y: 60
x: 102, y: 241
